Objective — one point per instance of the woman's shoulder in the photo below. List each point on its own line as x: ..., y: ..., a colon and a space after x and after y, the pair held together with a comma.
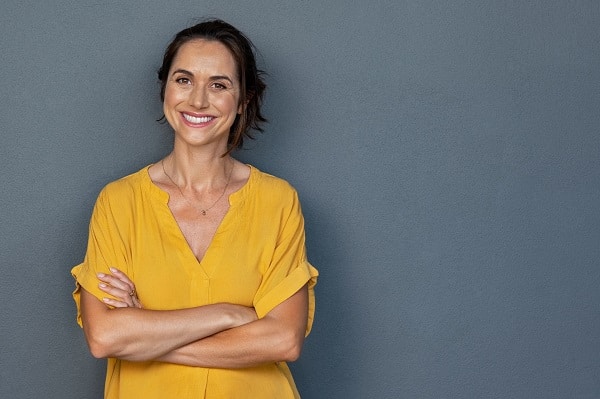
x: 127, y: 186
x: 272, y: 194
x: 271, y: 185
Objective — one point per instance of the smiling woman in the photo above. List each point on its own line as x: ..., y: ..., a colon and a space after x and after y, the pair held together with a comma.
x: 195, y: 283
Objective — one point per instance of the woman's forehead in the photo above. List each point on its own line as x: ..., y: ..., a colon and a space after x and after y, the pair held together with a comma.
x: 204, y: 56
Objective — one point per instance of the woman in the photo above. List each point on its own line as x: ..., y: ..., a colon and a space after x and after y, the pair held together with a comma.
x: 195, y: 283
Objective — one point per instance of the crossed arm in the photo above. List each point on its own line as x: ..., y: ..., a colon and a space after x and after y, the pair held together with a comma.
x: 220, y: 335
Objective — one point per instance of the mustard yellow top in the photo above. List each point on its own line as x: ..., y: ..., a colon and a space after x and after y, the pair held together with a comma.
x: 256, y: 258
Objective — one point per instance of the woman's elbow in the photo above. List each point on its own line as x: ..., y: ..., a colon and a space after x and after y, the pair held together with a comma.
x: 292, y: 348
x: 98, y: 349
x: 293, y: 354
x: 99, y: 343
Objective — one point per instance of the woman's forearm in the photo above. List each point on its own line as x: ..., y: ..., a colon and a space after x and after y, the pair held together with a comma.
x: 240, y: 347
x: 276, y: 337
x: 140, y: 334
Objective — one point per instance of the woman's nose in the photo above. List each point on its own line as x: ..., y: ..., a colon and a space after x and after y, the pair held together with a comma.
x: 199, y: 97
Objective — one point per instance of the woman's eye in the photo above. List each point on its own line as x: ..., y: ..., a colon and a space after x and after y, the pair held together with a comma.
x: 219, y: 86
x: 183, y: 81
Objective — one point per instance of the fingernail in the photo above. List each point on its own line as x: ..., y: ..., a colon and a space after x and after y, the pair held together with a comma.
x: 102, y: 285
x: 105, y: 299
x: 100, y: 274
x: 113, y: 270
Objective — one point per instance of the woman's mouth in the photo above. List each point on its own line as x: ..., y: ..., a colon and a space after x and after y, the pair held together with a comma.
x: 197, y: 119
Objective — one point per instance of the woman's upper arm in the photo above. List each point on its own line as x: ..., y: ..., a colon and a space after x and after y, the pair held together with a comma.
x: 93, y: 314
x: 292, y: 316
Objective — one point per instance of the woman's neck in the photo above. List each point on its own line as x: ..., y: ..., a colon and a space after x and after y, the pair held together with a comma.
x: 198, y: 169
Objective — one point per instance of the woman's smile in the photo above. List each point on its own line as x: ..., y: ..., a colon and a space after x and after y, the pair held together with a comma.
x: 197, y: 120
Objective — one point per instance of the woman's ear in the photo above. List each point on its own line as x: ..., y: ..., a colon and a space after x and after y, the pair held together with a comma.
x: 244, y: 104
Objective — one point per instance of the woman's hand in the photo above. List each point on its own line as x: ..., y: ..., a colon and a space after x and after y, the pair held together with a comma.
x: 121, y: 288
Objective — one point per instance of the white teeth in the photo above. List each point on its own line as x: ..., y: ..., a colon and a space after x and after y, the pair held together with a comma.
x: 193, y: 119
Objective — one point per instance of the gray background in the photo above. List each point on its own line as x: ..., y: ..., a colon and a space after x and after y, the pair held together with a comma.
x: 446, y: 153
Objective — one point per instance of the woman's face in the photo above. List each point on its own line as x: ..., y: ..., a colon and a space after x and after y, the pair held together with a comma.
x: 202, y: 93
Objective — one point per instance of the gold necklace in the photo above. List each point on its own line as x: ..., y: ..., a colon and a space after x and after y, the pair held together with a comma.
x: 202, y: 211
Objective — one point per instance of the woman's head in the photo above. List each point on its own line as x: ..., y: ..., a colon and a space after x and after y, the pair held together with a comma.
x: 251, y: 84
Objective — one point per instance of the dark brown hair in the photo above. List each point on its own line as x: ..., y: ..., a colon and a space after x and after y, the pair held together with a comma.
x: 252, y: 85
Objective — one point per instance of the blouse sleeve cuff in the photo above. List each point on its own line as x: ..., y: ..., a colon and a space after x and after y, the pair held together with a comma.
x: 303, y: 274
x: 88, y: 280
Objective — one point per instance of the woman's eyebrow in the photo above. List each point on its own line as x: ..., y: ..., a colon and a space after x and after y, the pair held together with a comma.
x: 221, y: 77
x: 183, y: 71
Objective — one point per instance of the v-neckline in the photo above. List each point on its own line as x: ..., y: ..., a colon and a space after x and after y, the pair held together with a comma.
x: 202, y: 262
x: 234, y: 199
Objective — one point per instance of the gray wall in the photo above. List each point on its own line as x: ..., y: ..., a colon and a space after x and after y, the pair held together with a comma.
x: 447, y: 155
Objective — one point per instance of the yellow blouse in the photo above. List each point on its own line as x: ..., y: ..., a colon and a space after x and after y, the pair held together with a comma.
x: 256, y: 258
